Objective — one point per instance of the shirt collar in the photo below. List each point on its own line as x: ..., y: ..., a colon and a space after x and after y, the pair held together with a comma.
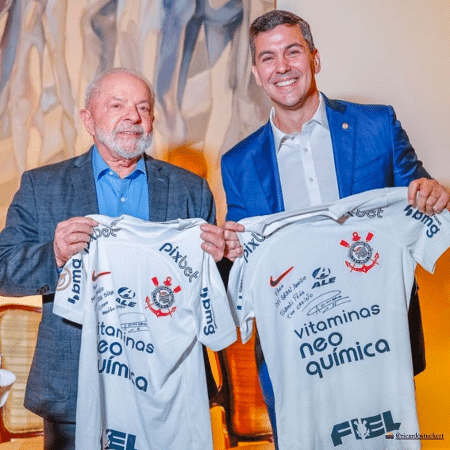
x: 320, y: 117
x: 101, y: 168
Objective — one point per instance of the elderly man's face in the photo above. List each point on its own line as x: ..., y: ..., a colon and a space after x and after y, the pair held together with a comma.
x: 120, y: 116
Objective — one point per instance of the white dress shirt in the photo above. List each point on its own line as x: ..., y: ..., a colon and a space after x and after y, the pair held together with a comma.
x: 306, y: 162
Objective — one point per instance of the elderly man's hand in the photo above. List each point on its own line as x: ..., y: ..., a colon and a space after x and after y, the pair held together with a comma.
x: 213, y: 240
x: 72, y: 236
x: 428, y: 196
x: 233, y: 248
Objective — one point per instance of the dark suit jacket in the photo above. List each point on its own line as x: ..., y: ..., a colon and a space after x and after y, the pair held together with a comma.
x: 47, y: 196
x: 371, y: 150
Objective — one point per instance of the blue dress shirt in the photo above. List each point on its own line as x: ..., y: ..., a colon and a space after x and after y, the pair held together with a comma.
x: 117, y: 196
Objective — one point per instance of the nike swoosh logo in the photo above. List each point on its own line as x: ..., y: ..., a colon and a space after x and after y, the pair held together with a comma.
x: 96, y: 277
x: 273, y: 282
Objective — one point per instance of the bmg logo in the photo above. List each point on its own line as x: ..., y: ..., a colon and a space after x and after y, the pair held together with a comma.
x: 365, y: 428
x: 423, y: 218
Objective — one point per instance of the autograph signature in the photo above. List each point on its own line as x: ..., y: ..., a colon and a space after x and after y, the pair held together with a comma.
x: 325, y: 302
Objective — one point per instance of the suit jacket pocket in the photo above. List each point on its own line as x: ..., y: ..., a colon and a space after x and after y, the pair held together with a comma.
x: 52, y: 371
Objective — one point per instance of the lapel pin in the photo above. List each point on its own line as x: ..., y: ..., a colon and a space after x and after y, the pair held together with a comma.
x: 345, y: 126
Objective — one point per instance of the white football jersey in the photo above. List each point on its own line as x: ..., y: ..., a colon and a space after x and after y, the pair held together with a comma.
x: 147, y: 297
x: 329, y: 287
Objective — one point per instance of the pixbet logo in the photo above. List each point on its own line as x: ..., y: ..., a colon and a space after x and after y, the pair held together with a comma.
x: 104, y: 231
x: 250, y: 246
x: 365, y: 428
x: 372, y: 213
x: 180, y: 259
x: 99, y: 232
x: 423, y: 218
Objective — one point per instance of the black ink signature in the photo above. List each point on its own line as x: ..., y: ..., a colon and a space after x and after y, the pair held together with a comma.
x: 325, y: 302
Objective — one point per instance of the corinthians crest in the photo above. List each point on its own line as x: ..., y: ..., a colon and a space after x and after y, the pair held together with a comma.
x: 162, y: 298
x: 360, y: 253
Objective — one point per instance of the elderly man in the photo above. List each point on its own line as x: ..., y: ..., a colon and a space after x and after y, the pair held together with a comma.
x: 45, y: 226
x: 315, y: 150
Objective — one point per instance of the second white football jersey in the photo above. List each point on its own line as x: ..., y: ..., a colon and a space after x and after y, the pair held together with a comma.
x: 329, y: 287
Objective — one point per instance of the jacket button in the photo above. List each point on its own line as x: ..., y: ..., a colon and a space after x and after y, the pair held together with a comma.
x: 43, y: 289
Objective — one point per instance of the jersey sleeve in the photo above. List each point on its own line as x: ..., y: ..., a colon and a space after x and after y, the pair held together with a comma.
x: 425, y: 237
x: 241, y: 298
x: 70, y: 291
x: 215, y: 325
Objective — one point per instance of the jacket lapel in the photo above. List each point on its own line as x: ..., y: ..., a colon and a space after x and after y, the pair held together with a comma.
x: 343, y: 131
x: 85, y: 200
x: 158, y: 189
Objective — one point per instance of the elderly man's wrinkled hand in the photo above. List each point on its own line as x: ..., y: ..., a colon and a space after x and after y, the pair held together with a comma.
x: 213, y: 240
x: 72, y: 236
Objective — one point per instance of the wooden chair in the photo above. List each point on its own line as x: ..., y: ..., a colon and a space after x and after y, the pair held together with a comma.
x: 18, y: 333
x: 239, y: 394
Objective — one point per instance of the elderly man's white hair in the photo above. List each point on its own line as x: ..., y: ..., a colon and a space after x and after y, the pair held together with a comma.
x: 94, y: 86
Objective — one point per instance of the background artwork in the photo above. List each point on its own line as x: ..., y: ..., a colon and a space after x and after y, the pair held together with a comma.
x: 194, y: 52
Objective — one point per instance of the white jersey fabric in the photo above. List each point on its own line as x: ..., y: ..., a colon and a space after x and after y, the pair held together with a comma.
x: 329, y: 287
x: 147, y: 297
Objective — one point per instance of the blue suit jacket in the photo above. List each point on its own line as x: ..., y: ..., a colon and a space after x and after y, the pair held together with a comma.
x: 371, y: 150
x: 47, y: 196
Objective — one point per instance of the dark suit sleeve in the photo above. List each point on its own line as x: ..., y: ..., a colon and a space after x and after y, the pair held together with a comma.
x: 27, y: 260
x: 407, y: 166
x: 208, y: 206
x: 235, y: 207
